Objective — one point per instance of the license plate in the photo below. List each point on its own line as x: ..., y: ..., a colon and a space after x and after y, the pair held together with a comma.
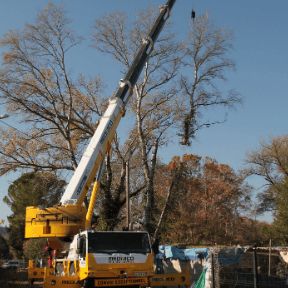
x: 124, y: 281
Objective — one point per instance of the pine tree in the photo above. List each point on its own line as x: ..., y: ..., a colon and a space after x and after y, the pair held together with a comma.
x: 31, y: 189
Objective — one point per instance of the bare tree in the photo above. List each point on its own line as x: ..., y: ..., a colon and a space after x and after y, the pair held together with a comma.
x: 158, y: 106
x: 154, y: 102
x: 206, y: 62
x: 56, y: 114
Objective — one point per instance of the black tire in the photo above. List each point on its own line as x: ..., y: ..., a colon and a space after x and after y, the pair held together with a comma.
x: 31, y: 283
x: 88, y: 283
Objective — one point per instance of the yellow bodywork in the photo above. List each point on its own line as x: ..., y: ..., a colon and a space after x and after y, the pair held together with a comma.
x: 116, y: 270
x: 58, y: 221
x: 35, y: 273
x: 91, y: 206
x: 67, y: 273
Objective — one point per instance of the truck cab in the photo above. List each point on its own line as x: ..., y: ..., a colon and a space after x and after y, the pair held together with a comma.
x: 113, y: 255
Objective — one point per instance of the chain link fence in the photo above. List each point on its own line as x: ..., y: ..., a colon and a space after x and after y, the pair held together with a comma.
x: 256, y: 268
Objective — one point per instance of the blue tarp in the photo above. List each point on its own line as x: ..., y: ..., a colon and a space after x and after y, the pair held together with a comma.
x: 226, y: 256
x: 183, y: 254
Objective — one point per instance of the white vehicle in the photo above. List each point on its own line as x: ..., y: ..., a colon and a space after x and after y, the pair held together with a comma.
x: 12, y: 264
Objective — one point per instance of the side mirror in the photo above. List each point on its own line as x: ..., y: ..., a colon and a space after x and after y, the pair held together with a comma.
x: 81, y: 246
x: 79, y: 242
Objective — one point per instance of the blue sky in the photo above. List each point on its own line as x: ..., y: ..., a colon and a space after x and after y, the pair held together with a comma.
x: 260, y: 53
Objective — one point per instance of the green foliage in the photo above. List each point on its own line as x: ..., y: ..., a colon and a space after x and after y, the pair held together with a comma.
x: 270, y: 161
x: 31, y: 189
x: 34, y: 248
x: 4, y: 248
x: 101, y: 224
x: 281, y: 215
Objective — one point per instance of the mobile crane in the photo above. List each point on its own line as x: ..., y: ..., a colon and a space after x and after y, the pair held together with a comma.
x: 98, y: 259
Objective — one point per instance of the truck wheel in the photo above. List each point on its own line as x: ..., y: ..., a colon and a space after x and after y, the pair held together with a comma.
x: 88, y: 283
x: 31, y: 283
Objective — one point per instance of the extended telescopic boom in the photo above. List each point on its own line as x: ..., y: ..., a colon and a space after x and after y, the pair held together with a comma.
x: 103, y: 136
x: 71, y: 216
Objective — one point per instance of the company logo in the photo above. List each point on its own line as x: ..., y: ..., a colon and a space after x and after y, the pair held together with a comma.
x: 121, y: 259
x: 122, y: 282
x: 67, y: 282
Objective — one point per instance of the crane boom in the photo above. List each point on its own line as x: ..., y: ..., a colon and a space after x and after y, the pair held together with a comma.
x: 71, y: 216
x: 101, y: 141
x: 94, y: 258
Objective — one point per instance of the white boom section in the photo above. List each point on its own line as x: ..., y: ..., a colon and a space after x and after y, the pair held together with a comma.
x: 94, y: 154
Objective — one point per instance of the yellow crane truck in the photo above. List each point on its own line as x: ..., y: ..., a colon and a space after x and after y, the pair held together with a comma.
x: 99, y: 259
